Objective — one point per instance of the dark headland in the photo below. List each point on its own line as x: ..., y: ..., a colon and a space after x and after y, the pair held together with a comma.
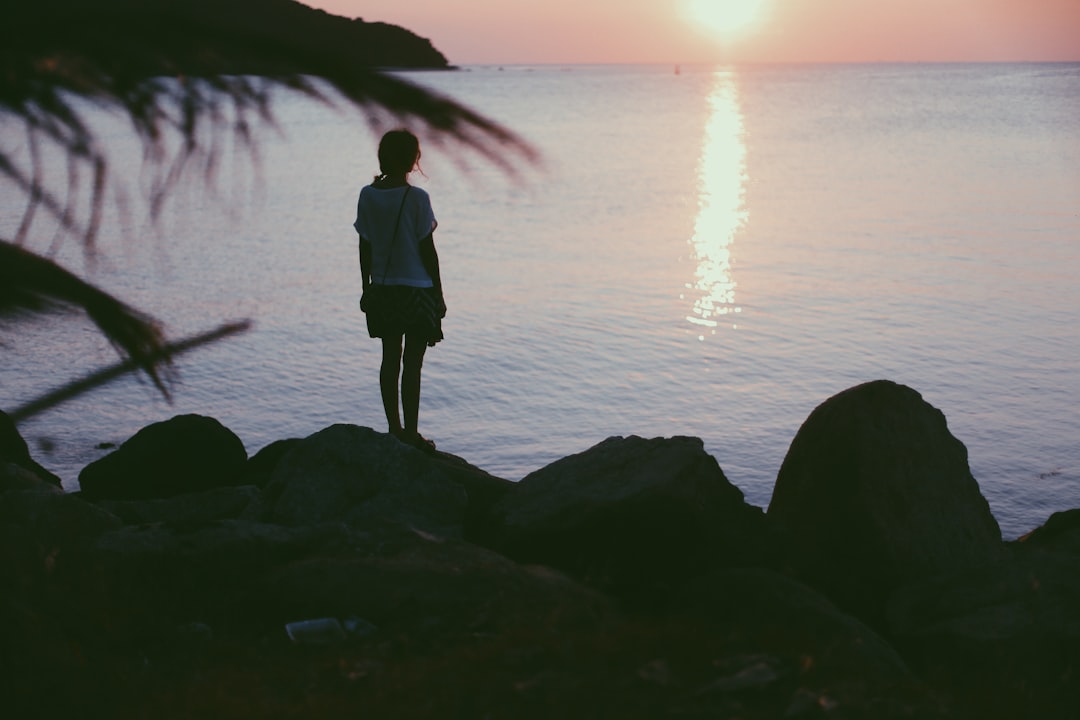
x: 631, y: 580
x: 201, y: 37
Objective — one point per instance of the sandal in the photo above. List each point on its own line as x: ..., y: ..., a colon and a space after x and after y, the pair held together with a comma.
x: 415, y: 440
x: 420, y: 442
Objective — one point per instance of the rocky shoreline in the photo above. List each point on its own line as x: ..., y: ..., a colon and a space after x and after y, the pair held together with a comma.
x: 631, y: 580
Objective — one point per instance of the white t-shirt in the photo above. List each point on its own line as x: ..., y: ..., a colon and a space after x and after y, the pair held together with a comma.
x: 376, y: 214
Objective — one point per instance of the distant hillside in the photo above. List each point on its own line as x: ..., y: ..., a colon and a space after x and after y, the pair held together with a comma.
x: 372, y: 44
x: 216, y: 36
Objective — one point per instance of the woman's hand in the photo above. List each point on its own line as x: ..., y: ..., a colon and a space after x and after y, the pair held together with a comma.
x: 365, y: 263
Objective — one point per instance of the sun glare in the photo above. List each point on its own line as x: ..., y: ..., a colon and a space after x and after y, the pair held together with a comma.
x: 722, y: 19
x: 722, y: 211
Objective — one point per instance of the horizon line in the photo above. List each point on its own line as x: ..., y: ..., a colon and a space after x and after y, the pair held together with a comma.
x: 692, y: 63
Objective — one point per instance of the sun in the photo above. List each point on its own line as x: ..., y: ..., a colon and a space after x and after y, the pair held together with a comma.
x: 723, y: 19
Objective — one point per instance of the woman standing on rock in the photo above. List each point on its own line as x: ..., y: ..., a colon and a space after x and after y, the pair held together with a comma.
x: 402, y: 289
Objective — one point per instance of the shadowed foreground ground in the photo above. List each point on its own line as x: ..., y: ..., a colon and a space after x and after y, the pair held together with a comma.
x: 628, y: 581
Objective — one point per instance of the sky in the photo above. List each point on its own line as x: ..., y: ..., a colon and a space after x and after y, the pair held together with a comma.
x: 680, y: 31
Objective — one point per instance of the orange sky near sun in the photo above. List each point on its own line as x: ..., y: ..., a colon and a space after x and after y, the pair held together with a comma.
x: 617, y: 31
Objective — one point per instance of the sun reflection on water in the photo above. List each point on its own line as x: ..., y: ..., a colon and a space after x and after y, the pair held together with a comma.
x: 721, y: 209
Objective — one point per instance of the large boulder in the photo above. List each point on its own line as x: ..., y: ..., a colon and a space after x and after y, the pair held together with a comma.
x: 14, y: 450
x: 44, y: 533
x: 630, y: 515
x: 260, y: 467
x: 52, y: 518
x: 427, y: 588
x: 187, y: 453
x: 187, y: 510
x: 16, y: 477
x: 482, y: 489
x: 363, y: 478
x: 805, y: 648
x: 1060, y: 533
x: 1002, y: 640
x: 875, y: 492
x: 158, y: 575
x: 256, y: 577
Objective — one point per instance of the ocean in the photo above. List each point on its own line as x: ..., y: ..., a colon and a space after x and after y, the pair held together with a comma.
x: 705, y: 251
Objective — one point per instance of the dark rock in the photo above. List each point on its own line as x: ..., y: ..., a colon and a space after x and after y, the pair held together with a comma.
x: 13, y: 449
x: 779, y: 635
x: 191, y: 597
x: 795, y: 619
x: 631, y: 516
x: 875, y: 492
x: 17, y: 477
x: 194, y: 633
x: 43, y: 526
x: 187, y: 453
x: 358, y: 627
x: 1060, y: 533
x: 1002, y: 639
x: 187, y: 510
x: 233, y: 544
x: 53, y: 519
x: 43, y: 537
x: 260, y: 466
x: 364, y: 478
x: 41, y: 663
x: 482, y: 490
x: 255, y: 577
x: 162, y: 575
x: 426, y: 588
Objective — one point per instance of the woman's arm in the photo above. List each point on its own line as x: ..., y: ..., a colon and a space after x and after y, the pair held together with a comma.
x: 365, y: 262
x: 430, y: 259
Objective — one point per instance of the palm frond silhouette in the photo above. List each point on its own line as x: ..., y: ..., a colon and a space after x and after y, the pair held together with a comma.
x: 188, y: 75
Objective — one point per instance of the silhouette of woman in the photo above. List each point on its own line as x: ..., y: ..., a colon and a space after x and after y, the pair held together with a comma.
x: 403, y: 296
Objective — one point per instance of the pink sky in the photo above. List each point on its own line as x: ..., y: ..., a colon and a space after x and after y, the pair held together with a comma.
x: 617, y: 31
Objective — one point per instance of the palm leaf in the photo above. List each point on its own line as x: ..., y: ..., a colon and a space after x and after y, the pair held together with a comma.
x: 30, y: 283
x: 189, y: 75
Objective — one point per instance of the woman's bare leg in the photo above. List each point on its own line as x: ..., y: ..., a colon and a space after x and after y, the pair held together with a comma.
x: 410, y: 383
x: 388, y: 382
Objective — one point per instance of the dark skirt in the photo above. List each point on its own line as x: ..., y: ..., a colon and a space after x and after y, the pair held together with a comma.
x: 396, y: 310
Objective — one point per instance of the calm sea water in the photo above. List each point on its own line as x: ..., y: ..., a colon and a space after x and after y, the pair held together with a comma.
x: 708, y: 253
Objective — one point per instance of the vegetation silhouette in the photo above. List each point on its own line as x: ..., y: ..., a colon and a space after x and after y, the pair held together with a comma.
x: 194, y: 78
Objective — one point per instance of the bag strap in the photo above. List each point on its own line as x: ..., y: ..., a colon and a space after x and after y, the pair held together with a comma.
x: 393, y: 240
